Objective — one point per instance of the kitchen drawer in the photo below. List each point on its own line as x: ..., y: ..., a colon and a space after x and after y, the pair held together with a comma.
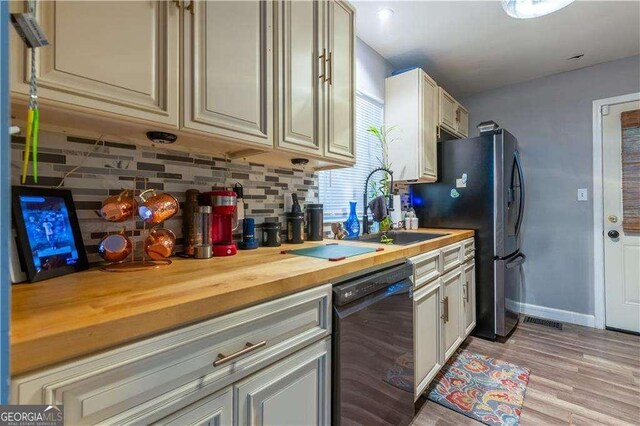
x: 148, y: 380
x: 427, y: 267
x: 451, y: 256
x: 468, y: 250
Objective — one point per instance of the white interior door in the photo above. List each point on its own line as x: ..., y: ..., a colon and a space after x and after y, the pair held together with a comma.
x: 621, y: 249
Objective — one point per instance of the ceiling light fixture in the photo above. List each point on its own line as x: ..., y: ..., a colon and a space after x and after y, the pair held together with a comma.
x: 524, y: 9
x: 385, y: 14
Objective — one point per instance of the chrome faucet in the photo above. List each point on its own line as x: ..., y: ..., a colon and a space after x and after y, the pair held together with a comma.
x: 365, y: 217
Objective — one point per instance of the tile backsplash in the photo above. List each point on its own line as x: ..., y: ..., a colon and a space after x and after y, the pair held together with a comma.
x: 112, y: 167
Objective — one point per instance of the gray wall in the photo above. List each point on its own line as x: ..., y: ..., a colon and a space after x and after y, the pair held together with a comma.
x: 371, y: 70
x: 552, y: 119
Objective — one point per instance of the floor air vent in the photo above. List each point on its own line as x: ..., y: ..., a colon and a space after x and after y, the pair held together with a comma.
x: 545, y: 322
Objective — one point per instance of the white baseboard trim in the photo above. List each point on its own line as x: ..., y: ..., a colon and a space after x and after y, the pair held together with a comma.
x: 557, y: 314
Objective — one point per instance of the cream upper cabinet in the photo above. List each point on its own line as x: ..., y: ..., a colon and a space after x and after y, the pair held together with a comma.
x: 340, y: 81
x: 463, y: 121
x: 107, y: 56
x: 252, y: 77
x: 227, y: 69
x: 428, y: 352
x: 411, y: 108
x: 315, y: 80
x: 300, y: 75
x: 447, y: 110
x: 452, y: 117
x: 429, y: 153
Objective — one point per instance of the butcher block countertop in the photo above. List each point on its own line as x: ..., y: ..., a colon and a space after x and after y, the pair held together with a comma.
x: 86, y: 312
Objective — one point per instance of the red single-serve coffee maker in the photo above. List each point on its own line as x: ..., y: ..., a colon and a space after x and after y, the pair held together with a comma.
x: 223, y: 222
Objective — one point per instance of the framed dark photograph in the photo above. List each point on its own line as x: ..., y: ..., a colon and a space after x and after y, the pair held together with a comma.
x: 49, y: 239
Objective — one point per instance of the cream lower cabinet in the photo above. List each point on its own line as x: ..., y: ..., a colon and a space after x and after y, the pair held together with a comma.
x: 428, y: 353
x: 295, y: 391
x: 411, y: 102
x: 116, y: 57
x: 443, y: 307
x: 240, y: 368
x: 452, y: 312
x: 214, y: 410
x: 469, y: 297
x: 228, y: 62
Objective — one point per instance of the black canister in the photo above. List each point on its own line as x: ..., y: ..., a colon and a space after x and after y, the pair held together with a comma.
x: 295, y: 228
x: 315, y: 231
x: 271, y: 232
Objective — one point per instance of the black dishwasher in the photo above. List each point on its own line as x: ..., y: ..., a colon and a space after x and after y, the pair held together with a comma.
x: 373, y: 372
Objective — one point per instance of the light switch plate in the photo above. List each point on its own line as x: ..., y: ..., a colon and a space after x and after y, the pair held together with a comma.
x: 583, y: 194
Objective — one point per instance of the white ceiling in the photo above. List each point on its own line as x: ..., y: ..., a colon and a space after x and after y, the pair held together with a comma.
x: 472, y: 46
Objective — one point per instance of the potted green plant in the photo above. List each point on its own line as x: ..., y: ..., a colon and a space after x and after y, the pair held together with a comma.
x: 383, y: 185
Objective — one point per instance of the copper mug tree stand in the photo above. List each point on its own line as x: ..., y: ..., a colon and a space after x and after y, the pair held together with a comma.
x: 135, y: 263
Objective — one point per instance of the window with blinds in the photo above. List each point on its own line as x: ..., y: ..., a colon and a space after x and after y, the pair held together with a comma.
x: 338, y: 187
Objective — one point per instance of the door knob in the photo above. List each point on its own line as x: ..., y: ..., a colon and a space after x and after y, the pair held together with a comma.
x: 613, y: 218
x: 613, y: 234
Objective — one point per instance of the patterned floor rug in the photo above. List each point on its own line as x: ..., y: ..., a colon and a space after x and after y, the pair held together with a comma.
x: 486, y: 389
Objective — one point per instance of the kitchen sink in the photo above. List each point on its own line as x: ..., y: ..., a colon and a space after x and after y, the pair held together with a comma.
x: 401, y: 238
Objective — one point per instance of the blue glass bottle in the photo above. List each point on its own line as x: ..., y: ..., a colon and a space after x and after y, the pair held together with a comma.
x: 352, y: 225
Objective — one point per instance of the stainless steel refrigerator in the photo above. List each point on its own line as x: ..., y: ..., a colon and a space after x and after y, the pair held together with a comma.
x: 481, y: 186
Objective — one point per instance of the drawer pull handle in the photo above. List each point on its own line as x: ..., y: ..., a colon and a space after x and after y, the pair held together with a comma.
x: 466, y: 292
x: 249, y: 347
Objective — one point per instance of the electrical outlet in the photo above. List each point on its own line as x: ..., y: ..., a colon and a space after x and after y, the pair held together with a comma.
x: 583, y: 195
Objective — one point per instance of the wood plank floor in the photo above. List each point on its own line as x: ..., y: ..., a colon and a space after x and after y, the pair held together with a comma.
x: 579, y: 376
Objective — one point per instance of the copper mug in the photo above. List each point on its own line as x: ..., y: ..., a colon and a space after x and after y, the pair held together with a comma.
x: 157, y: 208
x: 115, y: 247
x: 160, y: 243
x: 119, y: 207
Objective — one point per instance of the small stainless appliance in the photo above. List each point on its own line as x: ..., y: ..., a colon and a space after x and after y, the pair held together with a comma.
x: 373, y: 374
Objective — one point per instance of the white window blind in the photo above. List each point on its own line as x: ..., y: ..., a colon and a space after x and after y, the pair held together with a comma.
x: 338, y: 187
